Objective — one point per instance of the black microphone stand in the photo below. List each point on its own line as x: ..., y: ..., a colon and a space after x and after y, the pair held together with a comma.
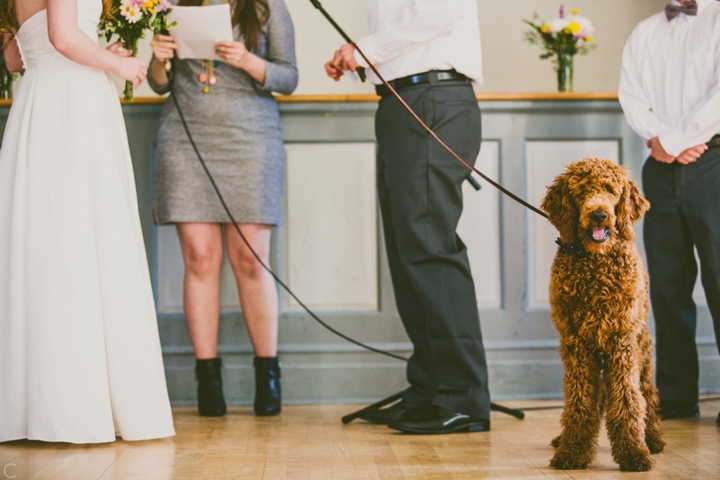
x: 519, y: 414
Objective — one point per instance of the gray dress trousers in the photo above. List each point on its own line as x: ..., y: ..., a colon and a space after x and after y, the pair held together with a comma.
x: 420, y: 191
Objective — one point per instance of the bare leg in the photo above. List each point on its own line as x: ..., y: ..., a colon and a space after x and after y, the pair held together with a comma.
x: 577, y: 444
x: 256, y: 287
x: 626, y: 408
x: 202, y: 250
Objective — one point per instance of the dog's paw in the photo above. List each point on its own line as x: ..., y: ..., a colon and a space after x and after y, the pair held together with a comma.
x: 655, y: 443
x: 555, y: 443
x: 635, y: 462
x: 568, y: 461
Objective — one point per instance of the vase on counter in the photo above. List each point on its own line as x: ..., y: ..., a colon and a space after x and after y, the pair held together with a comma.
x: 565, y: 72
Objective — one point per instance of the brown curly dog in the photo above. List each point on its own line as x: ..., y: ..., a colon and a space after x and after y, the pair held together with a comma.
x: 599, y: 305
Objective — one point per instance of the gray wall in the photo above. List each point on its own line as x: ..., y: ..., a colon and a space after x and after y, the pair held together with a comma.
x: 530, y: 141
x: 502, y: 35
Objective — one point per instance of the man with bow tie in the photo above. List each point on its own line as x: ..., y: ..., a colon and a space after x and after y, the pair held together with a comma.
x: 670, y: 93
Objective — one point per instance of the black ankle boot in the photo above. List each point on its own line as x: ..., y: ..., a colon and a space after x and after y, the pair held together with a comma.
x: 267, y: 386
x: 211, y: 402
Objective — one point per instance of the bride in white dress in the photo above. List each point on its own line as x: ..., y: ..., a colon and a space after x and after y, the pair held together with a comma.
x: 80, y: 357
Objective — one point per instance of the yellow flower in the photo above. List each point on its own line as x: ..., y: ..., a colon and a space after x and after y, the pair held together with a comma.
x: 149, y: 4
x: 546, y: 28
x: 589, y: 39
x: 574, y: 27
x: 575, y: 11
x: 155, y: 2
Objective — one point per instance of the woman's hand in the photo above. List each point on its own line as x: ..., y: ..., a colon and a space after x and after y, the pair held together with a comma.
x: 131, y: 69
x: 118, y: 48
x: 163, y: 47
x: 234, y: 54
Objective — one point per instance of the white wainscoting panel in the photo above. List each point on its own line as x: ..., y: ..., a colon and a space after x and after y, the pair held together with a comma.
x: 479, y: 229
x: 170, y: 276
x: 545, y: 160
x: 331, y: 240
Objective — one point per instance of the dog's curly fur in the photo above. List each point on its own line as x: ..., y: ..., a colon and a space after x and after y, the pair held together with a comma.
x: 599, y: 305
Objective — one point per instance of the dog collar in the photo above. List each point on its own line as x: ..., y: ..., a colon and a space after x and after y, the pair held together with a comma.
x: 574, y: 248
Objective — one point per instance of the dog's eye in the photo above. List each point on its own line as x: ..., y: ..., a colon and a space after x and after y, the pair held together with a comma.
x: 610, y: 189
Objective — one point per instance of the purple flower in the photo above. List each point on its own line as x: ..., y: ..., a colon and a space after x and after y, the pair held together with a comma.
x: 562, y: 11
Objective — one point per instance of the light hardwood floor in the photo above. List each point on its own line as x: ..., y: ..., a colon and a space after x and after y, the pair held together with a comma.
x: 309, y: 442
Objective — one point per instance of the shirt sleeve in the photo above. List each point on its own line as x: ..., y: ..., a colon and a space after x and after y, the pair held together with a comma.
x: 699, y: 124
x: 418, y: 23
x: 160, y: 89
x: 281, y: 66
x: 633, y: 99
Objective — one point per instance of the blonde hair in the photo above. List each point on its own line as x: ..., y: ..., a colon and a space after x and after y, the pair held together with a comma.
x: 8, y: 19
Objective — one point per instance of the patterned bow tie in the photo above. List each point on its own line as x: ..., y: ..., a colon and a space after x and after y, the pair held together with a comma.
x: 688, y: 8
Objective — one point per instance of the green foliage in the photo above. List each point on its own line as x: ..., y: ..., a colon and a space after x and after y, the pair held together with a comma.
x: 131, y: 33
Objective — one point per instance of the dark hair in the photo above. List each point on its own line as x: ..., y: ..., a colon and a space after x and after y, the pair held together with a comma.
x: 250, y: 15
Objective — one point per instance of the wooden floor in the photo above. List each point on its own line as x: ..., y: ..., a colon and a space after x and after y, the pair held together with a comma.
x: 309, y: 442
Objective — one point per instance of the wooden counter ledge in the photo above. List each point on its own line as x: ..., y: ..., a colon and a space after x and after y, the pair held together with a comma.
x: 364, y: 98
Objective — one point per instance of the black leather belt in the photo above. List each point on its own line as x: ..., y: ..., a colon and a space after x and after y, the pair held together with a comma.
x: 714, y: 142
x: 419, y: 78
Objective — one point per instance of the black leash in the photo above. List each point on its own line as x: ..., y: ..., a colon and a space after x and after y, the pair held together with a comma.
x: 515, y: 413
x: 361, y: 73
x: 257, y: 257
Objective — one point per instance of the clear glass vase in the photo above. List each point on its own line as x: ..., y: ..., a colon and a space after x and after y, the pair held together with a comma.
x: 565, y: 72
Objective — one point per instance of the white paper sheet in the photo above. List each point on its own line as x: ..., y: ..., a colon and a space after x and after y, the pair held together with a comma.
x: 199, y: 29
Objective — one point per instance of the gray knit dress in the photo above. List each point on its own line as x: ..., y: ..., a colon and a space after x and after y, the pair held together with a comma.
x: 236, y: 127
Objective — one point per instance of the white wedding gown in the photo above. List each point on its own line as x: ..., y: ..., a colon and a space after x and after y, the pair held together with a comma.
x: 80, y: 355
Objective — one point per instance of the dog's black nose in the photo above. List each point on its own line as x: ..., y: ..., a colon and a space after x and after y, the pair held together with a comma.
x: 598, y: 216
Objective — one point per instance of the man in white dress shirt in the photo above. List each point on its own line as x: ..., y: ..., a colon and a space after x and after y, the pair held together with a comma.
x: 670, y: 93
x: 430, y: 50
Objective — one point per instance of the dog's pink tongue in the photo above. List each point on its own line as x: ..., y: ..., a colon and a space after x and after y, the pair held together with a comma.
x: 598, y: 233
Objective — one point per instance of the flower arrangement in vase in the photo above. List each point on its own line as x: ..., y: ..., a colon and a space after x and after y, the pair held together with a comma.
x: 561, y: 39
x: 129, y: 19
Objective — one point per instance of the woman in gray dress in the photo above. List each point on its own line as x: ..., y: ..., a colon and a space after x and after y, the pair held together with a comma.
x: 234, y: 121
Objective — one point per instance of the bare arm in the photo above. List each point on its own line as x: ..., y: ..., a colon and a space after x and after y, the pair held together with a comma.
x: 12, y: 55
x: 73, y: 43
x: 163, y: 47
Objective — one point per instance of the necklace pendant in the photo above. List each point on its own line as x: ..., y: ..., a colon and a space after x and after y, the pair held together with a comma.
x: 213, y: 80
x: 202, y: 77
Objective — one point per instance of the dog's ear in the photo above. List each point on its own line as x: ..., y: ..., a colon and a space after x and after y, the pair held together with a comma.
x: 560, y: 207
x: 631, y: 208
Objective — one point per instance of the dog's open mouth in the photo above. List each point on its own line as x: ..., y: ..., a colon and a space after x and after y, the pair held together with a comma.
x: 599, y: 234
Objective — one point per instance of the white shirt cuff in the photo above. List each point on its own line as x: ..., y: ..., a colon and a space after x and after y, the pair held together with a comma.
x: 366, y: 50
x: 673, y: 142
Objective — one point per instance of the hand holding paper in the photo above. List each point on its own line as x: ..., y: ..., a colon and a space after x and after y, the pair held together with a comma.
x: 200, y: 29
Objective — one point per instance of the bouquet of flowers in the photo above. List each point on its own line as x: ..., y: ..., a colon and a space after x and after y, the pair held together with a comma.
x: 562, y: 38
x: 129, y: 19
x: 7, y: 79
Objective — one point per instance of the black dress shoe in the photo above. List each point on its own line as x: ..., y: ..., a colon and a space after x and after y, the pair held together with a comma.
x: 670, y: 409
x: 211, y: 402
x: 268, y: 398
x: 439, y: 421
x: 402, y: 410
